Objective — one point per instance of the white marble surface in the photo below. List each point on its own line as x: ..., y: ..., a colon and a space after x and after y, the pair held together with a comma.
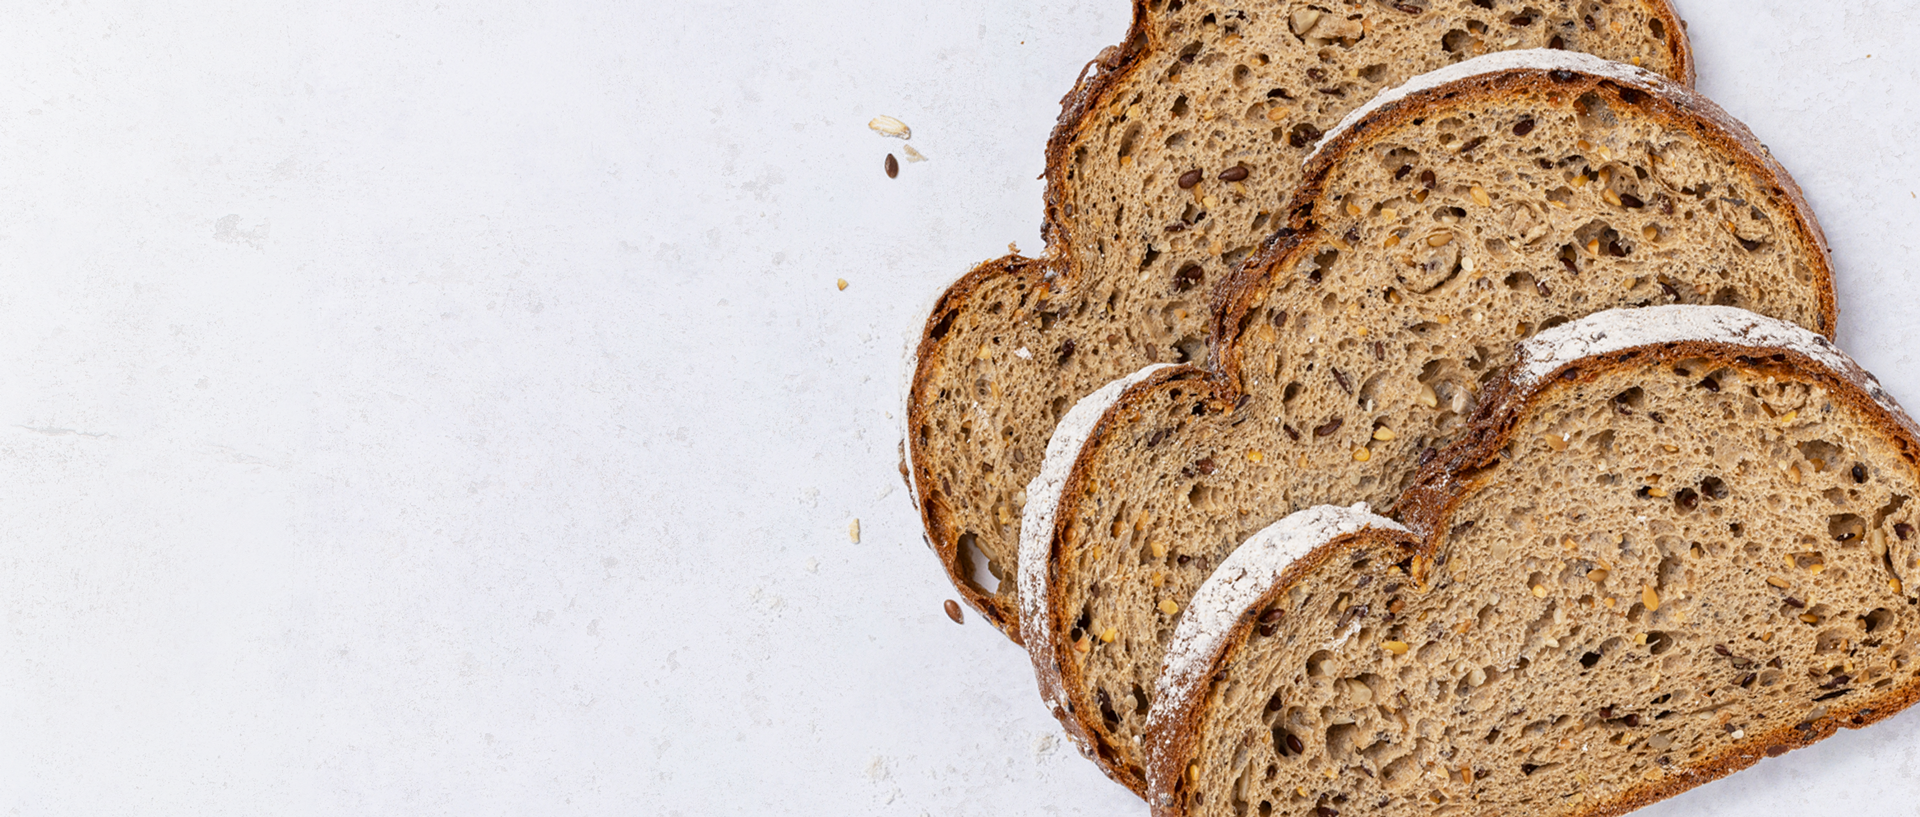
x: 415, y: 408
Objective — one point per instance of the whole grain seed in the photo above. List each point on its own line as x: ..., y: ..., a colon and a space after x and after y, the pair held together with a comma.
x: 889, y: 126
x: 893, y: 167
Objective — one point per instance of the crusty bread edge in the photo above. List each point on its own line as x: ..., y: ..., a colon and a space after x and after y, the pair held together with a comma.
x: 935, y: 517
x: 1286, y: 247
x: 1068, y: 701
x: 1116, y: 64
x: 1168, y: 750
x: 1669, y: 103
x: 1450, y: 477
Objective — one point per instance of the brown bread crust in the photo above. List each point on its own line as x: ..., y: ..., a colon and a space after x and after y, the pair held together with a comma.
x: 1679, y: 108
x: 1221, y: 384
x: 1173, y: 747
x: 1045, y: 652
x: 1100, y: 81
x: 1451, y: 477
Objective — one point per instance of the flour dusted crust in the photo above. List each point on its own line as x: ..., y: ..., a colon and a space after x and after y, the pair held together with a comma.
x: 1243, y: 579
x: 1672, y: 103
x: 1686, y: 342
x: 1538, y: 59
x: 1217, y: 432
x: 1573, y: 350
x: 1618, y: 329
x: 1224, y: 59
x: 1043, y: 499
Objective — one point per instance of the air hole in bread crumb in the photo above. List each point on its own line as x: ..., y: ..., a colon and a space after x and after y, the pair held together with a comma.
x: 979, y: 571
x: 1876, y: 620
x: 1846, y: 528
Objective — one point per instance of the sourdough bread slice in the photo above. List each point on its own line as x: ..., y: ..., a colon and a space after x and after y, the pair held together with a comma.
x: 1640, y: 571
x: 1429, y: 236
x: 1168, y: 166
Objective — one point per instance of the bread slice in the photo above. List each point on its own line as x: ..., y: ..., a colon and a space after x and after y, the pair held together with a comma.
x: 1166, y: 169
x: 1430, y: 236
x: 1642, y: 570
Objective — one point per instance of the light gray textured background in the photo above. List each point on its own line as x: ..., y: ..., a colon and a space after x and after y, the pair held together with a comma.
x: 419, y: 408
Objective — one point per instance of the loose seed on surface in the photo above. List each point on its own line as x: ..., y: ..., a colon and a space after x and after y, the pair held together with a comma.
x: 889, y: 126
x: 853, y: 531
x: 842, y: 284
x: 893, y: 167
x: 953, y: 612
x: 914, y: 155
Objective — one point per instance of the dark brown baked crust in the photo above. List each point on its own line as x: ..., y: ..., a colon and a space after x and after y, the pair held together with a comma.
x: 1100, y: 80
x: 1452, y: 476
x: 1676, y: 107
x: 1221, y: 383
x: 1173, y: 747
x: 1045, y: 652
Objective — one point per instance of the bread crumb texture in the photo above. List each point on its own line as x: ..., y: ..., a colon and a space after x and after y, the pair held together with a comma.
x: 1171, y: 164
x: 1591, y: 625
x: 1362, y: 344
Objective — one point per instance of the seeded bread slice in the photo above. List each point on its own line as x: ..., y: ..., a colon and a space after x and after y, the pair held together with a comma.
x: 1642, y: 570
x: 1504, y: 195
x: 1166, y: 169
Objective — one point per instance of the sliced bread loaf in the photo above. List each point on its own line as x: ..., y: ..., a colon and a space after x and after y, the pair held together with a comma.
x: 1430, y: 236
x: 1167, y: 168
x: 1641, y: 570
